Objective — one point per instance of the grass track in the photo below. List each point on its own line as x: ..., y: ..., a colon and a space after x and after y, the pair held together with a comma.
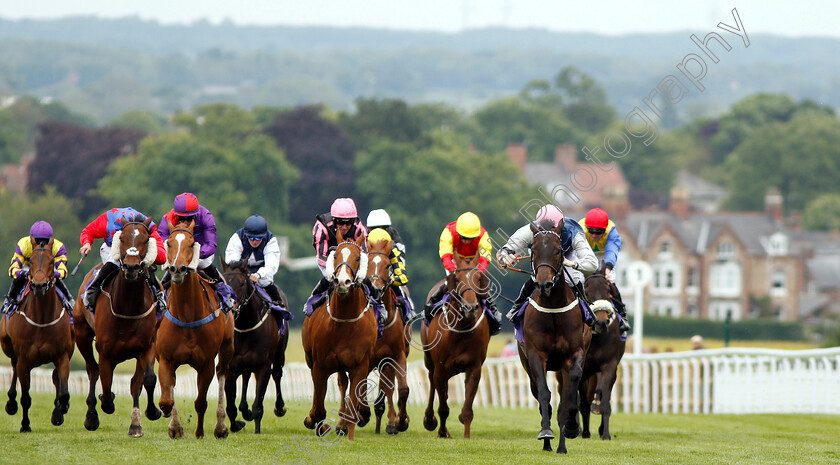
x: 499, y: 436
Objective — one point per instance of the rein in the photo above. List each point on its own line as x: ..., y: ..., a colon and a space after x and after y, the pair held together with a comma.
x: 50, y: 283
x: 245, y: 301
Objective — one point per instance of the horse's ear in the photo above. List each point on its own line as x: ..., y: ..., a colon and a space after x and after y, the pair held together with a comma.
x: 361, y: 242
x: 191, y: 225
x: 50, y: 243
x: 171, y: 226
x: 533, y: 226
x: 147, y: 223
x: 338, y: 237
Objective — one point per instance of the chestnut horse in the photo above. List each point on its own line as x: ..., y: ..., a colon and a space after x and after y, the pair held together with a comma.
x: 602, y: 358
x: 259, y: 348
x: 39, y: 332
x: 392, y: 348
x: 459, y: 336
x: 124, y: 326
x: 555, y: 337
x: 339, y: 336
x: 193, y: 333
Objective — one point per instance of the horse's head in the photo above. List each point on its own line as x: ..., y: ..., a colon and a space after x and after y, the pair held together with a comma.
x: 134, y: 248
x: 379, y: 264
x: 237, y: 275
x: 182, y: 251
x: 467, y: 286
x: 347, y: 264
x: 547, y: 257
x: 41, y: 266
x: 598, y: 291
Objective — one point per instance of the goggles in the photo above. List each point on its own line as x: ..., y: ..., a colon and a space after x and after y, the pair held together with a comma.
x: 596, y: 231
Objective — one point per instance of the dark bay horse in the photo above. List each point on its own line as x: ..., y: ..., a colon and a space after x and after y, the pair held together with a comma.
x: 38, y: 332
x: 339, y: 336
x: 391, y: 350
x: 456, y: 339
x: 602, y: 357
x: 259, y: 348
x: 123, y: 325
x: 555, y: 337
x: 193, y: 333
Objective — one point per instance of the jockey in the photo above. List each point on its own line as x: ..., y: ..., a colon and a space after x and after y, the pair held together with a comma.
x: 255, y: 243
x: 344, y: 218
x: 577, y: 254
x: 186, y: 208
x: 104, y: 227
x: 605, y: 240
x: 466, y: 237
x: 380, y: 220
x: 41, y: 232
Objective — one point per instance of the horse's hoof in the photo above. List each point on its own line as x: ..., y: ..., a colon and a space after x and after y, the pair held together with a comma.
x: 237, y: 426
x: 342, y: 430
x: 247, y: 415
x: 92, y: 421
x: 596, y: 408
x: 547, y: 445
x: 176, y: 433
x: 430, y: 423
x: 323, y: 430
x: 444, y: 434
x: 546, y: 434
x: 570, y: 433
x: 606, y: 437
x: 279, y: 412
x: 221, y: 432
x: 25, y: 429
x: 135, y: 431
x: 11, y: 407
x: 402, y: 424
x: 153, y: 414
x: 57, y: 418
x: 391, y: 430
x: 107, y: 404
x: 309, y: 423
x: 562, y: 449
x: 585, y: 435
x: 364, y: 413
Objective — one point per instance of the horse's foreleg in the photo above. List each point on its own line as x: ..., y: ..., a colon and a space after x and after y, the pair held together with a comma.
x: 606, y: 383
x: 84, y: 341
x: 537, y: 375
x: 429, y: 420
x: 205, y: 377
x: 442, y: 387
x: 277, y: 374
x: 386, y: 389
x: 61, y: 374
x: 230, y: 394
x: 358, y: 397
x: 25, y: 400
x: 567, y: 414
x: 221, y: 430
x: 247, y: 414
x: 11, y: 405
x: 106, y: 374
x: 149, y: 381
x: 343, y: 381
x: 402, y: 392
x: 263, y: 375
x: 135, y: 429
x: 473, y: 376
x: 318, y: 412
x: 586, y: 391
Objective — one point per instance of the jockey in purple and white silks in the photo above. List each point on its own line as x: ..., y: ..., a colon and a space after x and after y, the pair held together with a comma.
x: 257, y: 247
x: 577, y: 254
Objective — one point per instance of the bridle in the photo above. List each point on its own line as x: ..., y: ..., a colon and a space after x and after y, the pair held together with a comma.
x: 555, y: 269
x: 354, y: 273
x: 50, y: 276
x: 376, y: 277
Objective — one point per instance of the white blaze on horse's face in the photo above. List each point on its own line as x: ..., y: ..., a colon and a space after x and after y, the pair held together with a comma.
x: 376, y: 259
x: 345, y: 280
x: 179, y: 238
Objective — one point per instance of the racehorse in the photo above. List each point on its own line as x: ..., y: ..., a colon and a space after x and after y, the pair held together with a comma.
x: 555, y: 338
x: 339, y: 336
x: 194, y: 331
x: 124, y: 326
x: 391, y: 349
x: 459, y: 335
x: 259, y: 348
x: 38, y: 332
x: 602, y: 357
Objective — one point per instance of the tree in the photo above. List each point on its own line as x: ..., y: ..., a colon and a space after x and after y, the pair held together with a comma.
x: 822, y: 213
x: 146, y: 121
x: 585, y: 100
x: 12, y: 138
x: 389, y: 118
x: 223, y: 124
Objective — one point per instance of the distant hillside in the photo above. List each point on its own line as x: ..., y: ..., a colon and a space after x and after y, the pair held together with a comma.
x: 105, y: 67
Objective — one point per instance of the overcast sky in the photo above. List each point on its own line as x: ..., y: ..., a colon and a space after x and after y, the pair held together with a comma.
x: 805, y: 18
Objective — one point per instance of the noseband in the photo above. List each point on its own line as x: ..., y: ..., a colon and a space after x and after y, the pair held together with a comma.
x: 385, y: 280
x: 354, y: 273
x: 50, y: 276
x: 553, y: 268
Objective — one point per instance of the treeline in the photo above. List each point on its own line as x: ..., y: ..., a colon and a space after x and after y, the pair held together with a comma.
x: 424, y: 163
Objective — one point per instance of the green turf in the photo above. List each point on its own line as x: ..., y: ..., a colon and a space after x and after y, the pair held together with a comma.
x: 499, y: 436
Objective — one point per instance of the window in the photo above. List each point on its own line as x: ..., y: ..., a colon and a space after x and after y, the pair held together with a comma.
x: 777, y: 245
x: 665, y: 247
x: 692, y: 311
x: 725, y: 250
x: 669, y: 279
x: 692, y: 277
x: 779, y: 279
x: 725, y: 279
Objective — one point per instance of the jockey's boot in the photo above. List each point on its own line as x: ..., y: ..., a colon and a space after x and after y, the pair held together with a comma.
x: 166, y: 281
x: 586, y: 313
x: 67, y: 298
x: 160, y: 296
x: 434, y: 300
x: 11, y: 297
x: 403, y: 302
x: 321, y: 288
x: 212, y: 273
x: 109, y: 269
x: 496, y: 321
x: 524, y: 293
x: 274, y: 293
x: 621, y: 309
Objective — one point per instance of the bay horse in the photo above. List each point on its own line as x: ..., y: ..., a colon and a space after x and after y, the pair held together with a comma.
x: 193, y: 333
x: 462, y: 334
x: 391, y: 350
x: 555, y: 337
x: 602, y: 358
x: 123, y: 324
x: 339, y: 337
x: 259, y: 348
x: 38, y: 332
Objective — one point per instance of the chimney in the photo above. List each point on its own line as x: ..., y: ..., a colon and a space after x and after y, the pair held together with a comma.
x: 774, y: 204
x: 680, y: 203
x: 565, y: 155
x: 518, y: 154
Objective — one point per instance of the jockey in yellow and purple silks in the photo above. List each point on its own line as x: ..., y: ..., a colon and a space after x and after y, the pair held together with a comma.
x: 605, y: 241
x: 466, y: 237
x: 41, y: 232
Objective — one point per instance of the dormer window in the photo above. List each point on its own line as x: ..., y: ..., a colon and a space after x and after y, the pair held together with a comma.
x: 725, y: 250
x: 665, y: 247
x: 777, y: 245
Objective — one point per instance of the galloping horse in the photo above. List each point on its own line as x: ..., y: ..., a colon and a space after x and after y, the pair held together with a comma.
x: 555, y: 338
x: 194, y: 331
x: 259, y: 348
x: 391, y: 349
x: 339, y: 336
x: 602, y: 358
x: 124, y: 326
x: 38, y: 333
x: 459, y: 336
